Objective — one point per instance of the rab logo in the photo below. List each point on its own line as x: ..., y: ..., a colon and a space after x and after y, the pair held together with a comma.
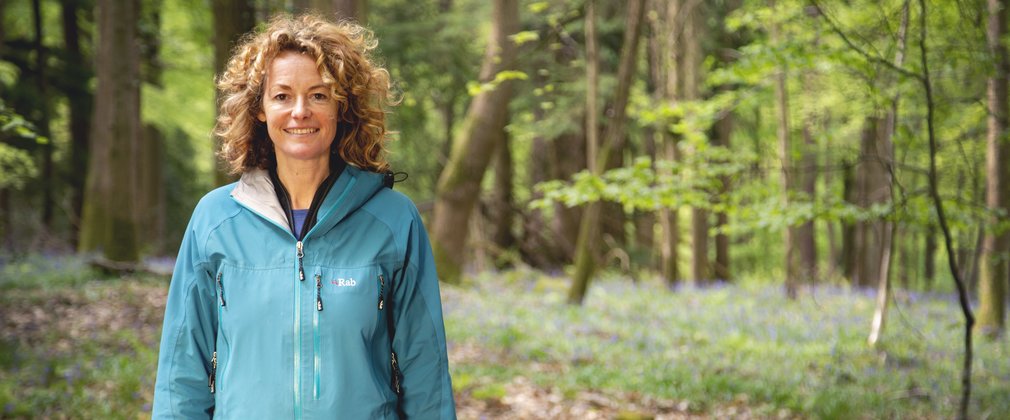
x: 344, y: 282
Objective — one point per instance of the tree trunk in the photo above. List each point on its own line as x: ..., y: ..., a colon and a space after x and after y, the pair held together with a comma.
x: 585, y: 265
x: 150, y: 206
x: 792, y: 280
x: 501, y: 211
x: 871, y: 187
x: 721, y: 268
x: 482, y: 132
x: 592, y: 89
x: 727, y: 41
x: 109, y: 222
x: 996, y: 245
x: 885, y: 150
x: 568, y: 156
x: 80, y: 101
x: 232, y: 19
x: 42, y: 86
x: 664, y: 50
x: 690, y: 79
x: 806, y: 235
x: 848, y: 253
x: 929, y: 261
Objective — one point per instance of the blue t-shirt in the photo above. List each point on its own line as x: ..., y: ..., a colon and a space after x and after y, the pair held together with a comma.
x: 299, y: 218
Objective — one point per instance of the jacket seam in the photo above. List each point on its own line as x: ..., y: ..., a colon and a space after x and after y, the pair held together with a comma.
x: 175, y: 349
x: 392, y: 233
x: 210, y: 231
x: 442, y: 358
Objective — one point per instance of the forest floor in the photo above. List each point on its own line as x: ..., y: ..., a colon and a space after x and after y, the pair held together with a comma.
x: 72, y: 346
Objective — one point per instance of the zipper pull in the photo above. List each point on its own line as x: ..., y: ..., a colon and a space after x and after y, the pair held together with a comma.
x: 213, y: 372
x: 319, y: 292
x: 382, y: 287
x: 301, y: 272
x: 220, y: 290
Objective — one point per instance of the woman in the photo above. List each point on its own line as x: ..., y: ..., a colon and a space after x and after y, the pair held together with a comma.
x: 307, y: 289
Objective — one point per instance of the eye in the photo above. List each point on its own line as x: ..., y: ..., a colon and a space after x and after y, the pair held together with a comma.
x: 319, y: 96
x: 281, y: 97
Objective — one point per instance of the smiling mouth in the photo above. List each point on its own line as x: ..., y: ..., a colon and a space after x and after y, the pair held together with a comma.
x: 300, y: 130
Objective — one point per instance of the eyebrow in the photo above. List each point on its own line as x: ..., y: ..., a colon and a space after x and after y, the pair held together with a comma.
x: 313, y: 87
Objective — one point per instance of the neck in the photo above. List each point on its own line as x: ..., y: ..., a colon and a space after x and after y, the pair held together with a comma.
x: 301, y: 178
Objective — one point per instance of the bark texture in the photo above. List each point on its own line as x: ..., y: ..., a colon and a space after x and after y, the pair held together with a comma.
x: 996, y: 243
x: 110, y: 224
x: 80, y: 103
x: 589, y: 229
x: 232, y: 19
x: 482, y: 133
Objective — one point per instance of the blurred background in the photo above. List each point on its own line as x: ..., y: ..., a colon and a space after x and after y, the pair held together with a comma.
x: 639, y: 209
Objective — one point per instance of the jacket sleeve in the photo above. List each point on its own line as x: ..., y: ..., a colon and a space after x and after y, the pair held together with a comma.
x: 419, y: 341
x: 187, y: 339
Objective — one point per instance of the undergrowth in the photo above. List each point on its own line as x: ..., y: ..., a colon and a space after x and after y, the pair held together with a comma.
x: 88, y: 348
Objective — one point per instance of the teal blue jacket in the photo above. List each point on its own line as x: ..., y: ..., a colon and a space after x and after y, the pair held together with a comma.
x: 261, y: 325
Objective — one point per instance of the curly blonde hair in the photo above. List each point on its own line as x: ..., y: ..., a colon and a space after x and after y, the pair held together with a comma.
x: 360, y: 87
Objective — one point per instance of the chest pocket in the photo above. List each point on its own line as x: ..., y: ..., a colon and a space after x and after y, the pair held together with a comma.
x: 347, y: 299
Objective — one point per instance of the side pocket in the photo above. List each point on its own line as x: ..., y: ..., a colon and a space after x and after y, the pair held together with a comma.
x: 212, y: 381
x: 391, y: 329
x: 382, y: 288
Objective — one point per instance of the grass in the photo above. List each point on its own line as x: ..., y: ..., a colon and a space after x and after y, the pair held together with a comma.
x: 73, y: 344
x: 725, y: 344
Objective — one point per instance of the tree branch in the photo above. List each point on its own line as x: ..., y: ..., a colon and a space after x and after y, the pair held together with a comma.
x: 862, y: 52
x: 962, y: 291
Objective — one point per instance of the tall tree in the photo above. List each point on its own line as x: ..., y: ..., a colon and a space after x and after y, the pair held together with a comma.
x: 727, y: 43
x: 996, y: 245
x: 664, y: 47
x: 887, y: 157
x: 482, y: 133
x: 501, y: 207
x: 232, y: 19
x: 792, y: 281
x: 589, y: 228
x: 109, y: 222
x: 42, y: 85
x: 690, y: 78
x: 81, y: 100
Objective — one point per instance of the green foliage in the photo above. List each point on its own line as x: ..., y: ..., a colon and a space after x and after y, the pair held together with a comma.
x: 16, y: 164
x: 474, y: 88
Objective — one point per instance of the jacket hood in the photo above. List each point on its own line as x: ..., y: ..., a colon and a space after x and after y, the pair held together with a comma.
x: 353, y: 188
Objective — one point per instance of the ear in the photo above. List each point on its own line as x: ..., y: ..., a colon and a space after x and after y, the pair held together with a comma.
x: 261, y: 116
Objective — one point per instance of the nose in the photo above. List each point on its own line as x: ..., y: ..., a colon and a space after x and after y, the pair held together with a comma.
x: 301, y: 109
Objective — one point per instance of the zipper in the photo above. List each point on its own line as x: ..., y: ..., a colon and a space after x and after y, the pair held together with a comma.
x: 298, y: 336
x: 319, y: 292
x: 213, y: 372
x: 301, y: 254
x: 315, y: 338
x: 213, y: 360
x: 382, y: 288
x: 220, y: 294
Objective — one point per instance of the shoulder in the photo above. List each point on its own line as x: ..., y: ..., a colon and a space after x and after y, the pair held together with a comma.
x: 215, y: 207
x: 392, y: 206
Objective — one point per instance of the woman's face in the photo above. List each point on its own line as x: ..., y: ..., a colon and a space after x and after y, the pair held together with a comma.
x: 300, y: 114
